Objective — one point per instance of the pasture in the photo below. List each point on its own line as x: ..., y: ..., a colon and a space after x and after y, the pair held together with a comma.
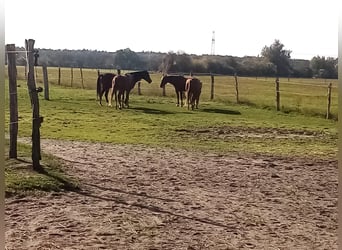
x: 306, y: 96
x: 156, y: 121
x: 157, y: 176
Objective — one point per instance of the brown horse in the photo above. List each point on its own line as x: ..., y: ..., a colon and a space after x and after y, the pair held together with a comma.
x: 104, y: 83
x: 178, y: 82
x: 123, y: 84
x: 193, y: 88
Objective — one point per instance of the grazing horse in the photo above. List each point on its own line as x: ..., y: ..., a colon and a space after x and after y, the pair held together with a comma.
x: 104, y: 83
x: 123, y: 84
x: 193, y: 88
x: 178, y: 82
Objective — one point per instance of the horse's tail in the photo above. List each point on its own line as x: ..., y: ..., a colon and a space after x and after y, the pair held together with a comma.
x: 187, y: 85
x: 98, y: 86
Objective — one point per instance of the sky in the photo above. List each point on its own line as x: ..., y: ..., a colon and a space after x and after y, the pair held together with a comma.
x: 308, y: 28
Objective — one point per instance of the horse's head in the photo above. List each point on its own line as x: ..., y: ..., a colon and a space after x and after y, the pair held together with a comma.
x: 146, y: 76
x: 163, y: 81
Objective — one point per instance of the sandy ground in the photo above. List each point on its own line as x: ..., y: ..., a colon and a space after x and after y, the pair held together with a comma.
x: 136, y: 197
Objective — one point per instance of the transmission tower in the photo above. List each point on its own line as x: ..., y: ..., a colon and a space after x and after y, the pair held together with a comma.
x: 213, y: 44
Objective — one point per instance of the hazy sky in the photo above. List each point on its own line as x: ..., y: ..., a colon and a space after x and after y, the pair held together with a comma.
x: 242, y: 27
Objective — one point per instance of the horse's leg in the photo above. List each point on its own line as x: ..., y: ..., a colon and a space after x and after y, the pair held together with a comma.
x: 120, y: 96
x: 181, y: 97
x: 121, y: 100
x: 106, y: 94
x: 100, y: 99
x: 189, y: 99
x: 197, y: 101
x: 127, y: 99
x: 116, y: 99
x: 177, y: 94
x: 193, y: 101
x: 110, y: 97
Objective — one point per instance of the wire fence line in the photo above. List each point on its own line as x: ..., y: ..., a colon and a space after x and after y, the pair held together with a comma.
x: 313, y: 95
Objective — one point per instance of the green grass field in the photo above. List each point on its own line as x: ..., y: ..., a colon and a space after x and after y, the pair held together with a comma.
x: 220, y: 125
x: 307, y: 96
x: 155, y: 120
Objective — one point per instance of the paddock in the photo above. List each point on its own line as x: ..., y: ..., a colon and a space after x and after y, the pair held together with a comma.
x: 158, y: 198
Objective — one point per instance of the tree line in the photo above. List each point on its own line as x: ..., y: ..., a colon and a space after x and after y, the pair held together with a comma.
x: 274, y: 60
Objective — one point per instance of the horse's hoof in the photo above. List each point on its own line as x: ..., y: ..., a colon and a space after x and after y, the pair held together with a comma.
x: 177, y: 105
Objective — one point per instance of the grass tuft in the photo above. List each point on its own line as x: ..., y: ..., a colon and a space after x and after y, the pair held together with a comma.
x: 20, y: 178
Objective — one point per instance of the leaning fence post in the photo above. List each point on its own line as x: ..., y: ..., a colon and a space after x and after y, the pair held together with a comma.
x: 12, y: 77
x: 236, y: 88
x: 329, y: 101
x: 36, y: 119
x: 277, y: 94
x: 46, y: 83
x: 212, y: 87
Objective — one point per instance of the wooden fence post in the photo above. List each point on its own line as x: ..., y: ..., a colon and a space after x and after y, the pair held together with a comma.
x: 36, y: 119
x: 329, y: 101
x: 59, y: 75
x: 212, y: 87
x: 236, y: 88
x: 46, y: 83
x: 82, y: 78
x: 277, y: 94
x: 72, y: 76
x: 12, y: 76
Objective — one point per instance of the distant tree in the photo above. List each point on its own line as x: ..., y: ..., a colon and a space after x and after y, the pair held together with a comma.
x: 324, y: 67
x: 167, y: 62
x: 127, y: 59
x: 183, y: 63
x: 198, y: 67
x: 280, y: 57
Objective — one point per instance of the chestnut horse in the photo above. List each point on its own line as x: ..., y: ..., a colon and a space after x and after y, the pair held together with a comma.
x: 178, y: 82
x: 193, y: 89
x: 123, y: 84
x: 104, y: 83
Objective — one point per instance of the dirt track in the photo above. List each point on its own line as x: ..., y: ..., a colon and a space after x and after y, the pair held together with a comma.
x: 144, y: 198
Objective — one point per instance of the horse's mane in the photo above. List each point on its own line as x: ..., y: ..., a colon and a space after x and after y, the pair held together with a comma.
x: 137, y: 72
